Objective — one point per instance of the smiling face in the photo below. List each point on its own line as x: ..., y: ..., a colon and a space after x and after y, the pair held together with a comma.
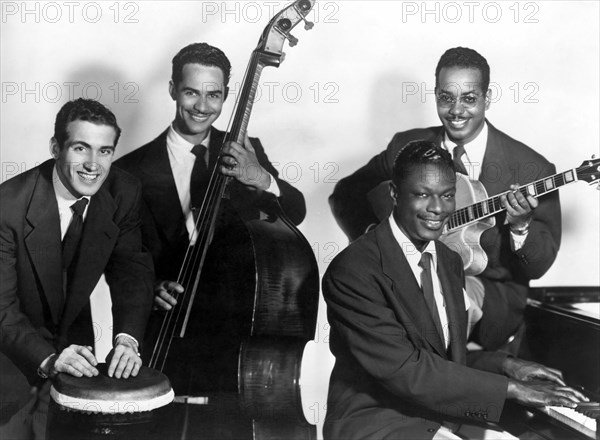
x: 461, y: 102
x: 424, y: 201
x: 83, y: 162
x: 199, y: 98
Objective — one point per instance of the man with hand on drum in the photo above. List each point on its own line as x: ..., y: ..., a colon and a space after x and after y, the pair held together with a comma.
x: 525, y: 239
x: 174, y: 167
x: 397, y: 309
x: 63, y: 224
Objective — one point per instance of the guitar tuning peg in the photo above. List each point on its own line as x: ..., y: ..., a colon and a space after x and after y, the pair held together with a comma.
x: 293, y: 40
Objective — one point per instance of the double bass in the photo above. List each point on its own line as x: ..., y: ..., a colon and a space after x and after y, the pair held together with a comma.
x: 251, y: 284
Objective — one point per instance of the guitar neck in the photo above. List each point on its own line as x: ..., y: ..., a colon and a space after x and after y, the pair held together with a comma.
x: 489, y: 207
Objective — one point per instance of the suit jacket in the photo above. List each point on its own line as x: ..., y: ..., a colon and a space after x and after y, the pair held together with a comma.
x: 35, y: 318
x: 164, y: 224
x: 506, y: 277
x: 393, y: 377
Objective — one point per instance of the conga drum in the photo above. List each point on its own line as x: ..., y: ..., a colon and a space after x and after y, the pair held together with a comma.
x: 103, y: 407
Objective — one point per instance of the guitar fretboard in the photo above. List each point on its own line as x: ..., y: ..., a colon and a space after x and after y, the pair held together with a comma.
x: 489, y: 207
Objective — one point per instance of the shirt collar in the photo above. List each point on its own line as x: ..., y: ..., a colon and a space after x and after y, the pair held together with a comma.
x: 408, y: 248
x: 64, y: 198
x: 179, y: 146
x: 475, y: 148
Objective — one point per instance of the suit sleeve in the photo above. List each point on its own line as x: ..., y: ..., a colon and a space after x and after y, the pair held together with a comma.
x: 129, y: 273
x: 543, y: 240
x: 19, y: 340
x: 291, y: 200
x: 367, y: 332
x: 350, y: 203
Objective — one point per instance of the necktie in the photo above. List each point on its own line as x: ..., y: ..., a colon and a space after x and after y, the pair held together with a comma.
x: 457, y: 154
x: 427, y: 288
x: 70, y: 242
x: 199, y: 178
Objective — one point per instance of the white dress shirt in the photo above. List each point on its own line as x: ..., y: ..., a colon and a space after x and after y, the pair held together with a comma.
x: 413, y: 257
x: 182, y: 161
x: 65, y: 199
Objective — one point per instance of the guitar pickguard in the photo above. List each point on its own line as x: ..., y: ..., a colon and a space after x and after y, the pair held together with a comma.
x: 466, y: 241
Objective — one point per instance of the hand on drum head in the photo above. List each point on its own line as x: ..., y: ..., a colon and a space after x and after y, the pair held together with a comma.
x: 124, y: 360
x: 75, y: 360
x: 164, y: 294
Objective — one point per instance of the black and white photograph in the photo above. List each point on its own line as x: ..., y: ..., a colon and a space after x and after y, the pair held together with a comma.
x: 305, y: 219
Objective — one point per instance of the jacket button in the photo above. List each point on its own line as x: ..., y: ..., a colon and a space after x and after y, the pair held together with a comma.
x: 430, y: 430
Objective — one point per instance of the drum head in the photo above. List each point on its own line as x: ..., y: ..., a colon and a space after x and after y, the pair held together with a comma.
x: 149, y: 390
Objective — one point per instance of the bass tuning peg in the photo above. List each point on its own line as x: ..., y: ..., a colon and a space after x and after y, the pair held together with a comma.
x: 293, y: 40
x: 308, y: 25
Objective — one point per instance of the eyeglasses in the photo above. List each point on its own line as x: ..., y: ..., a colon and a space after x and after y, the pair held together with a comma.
x: 446, y: 100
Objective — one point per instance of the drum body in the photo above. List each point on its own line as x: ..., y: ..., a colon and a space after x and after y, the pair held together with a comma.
x: 107, y: 408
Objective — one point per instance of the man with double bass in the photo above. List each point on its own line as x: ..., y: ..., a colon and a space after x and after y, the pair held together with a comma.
x: 525, y: 239
x: 172, y: 179
x: 174, y: 170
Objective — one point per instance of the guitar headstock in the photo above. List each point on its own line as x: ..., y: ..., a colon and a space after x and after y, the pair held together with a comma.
x: 589, y: 171
x: 278, y: 30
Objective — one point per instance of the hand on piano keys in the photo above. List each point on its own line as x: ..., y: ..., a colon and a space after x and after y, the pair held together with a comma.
x: 582, y: 418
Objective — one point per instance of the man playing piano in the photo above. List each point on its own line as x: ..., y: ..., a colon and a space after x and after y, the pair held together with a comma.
x: 398, y: 314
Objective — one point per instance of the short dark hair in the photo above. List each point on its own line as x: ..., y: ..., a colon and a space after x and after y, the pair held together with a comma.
x: 420, y: 152
x: 466, y: 58
x: 200, y: 53
x: 82, y: 109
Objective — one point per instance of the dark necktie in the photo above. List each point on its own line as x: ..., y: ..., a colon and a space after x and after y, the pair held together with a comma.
x: 427, y: 288
x: 457, y: 154
x: 70, y: 242
x: 199, y: 178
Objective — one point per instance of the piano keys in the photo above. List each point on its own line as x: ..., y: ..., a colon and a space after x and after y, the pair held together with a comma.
x: 563, y: 332
x: 576, y: 420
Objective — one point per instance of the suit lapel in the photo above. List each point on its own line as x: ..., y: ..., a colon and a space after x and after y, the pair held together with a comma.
x: 496, y: 175
x: 406, y: 288
x: 42, y: 239
x: 455, y: 305
x: 98, y: 239
x: 160, y: 192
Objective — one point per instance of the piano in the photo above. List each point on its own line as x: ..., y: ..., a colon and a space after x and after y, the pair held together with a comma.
x: 563, y: 332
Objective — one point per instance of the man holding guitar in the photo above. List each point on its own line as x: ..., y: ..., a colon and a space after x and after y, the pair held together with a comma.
x: 522, y: 241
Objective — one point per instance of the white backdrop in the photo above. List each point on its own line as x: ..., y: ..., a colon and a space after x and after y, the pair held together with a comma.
x: 365, y: 71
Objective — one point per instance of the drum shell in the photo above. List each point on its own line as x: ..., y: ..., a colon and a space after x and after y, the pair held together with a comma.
x: 68, y: 424
x: 102, y: 407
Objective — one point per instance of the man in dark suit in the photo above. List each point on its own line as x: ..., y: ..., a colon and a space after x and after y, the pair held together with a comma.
x: 167, y: 165
x: 525, y: 239
x: 398, y: 316
x: 45, y: 317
